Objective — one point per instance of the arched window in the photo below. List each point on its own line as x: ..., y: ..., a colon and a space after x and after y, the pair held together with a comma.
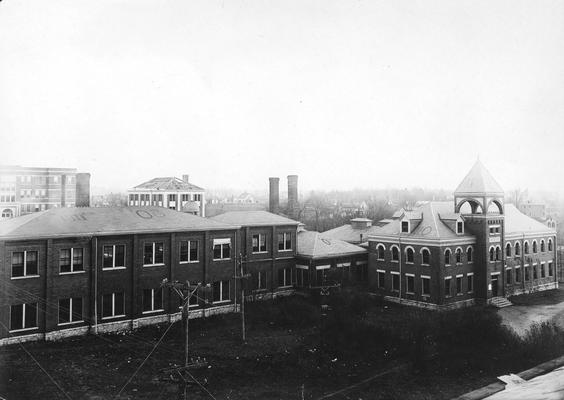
x: 410, y: 254
x: 381, y: 252
x: 469, y: 254
x: 508, y: 250
x: 498, y: 253
x: 517, y: 249
x: 526, y: 247
x: 535, y: 246
x: 458, y: 255
x: 7, y: 213
x: 549, y: 244
x: 542, y: 246
x: 447, y: 257
x: 492, y: 253
x: 395, y: 253
x: 425, y: 256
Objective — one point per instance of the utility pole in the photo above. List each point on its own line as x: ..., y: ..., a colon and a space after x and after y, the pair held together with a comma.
x: 185, y: 291
x: 241, y: 277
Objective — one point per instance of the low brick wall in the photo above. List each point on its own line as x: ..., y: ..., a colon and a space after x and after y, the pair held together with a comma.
x: 431, y: 306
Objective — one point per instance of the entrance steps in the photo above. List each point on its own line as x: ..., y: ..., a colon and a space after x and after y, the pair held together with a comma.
x: 500, y: 302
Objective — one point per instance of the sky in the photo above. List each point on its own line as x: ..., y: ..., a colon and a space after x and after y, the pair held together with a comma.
x: 346, y: 94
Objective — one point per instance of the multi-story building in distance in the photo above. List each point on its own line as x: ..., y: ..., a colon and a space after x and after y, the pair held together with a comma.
x: 169, y: 192
x: 24, y: 190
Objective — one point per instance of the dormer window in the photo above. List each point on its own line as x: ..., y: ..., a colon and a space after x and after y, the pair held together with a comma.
x: 404, y: 226
x: 459, y: 227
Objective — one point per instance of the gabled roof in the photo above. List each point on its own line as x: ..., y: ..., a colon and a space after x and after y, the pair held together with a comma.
x: 478, y: 181
x: 430, y: 227
x: 517, y: 223
x: 86, y: 221
x: 253, y: 218
x: 168, y: 183
x: 315, y: 245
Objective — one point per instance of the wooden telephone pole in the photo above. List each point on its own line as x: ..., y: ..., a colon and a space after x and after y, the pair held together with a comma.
x: 242, y: 276
x: 185, y: 291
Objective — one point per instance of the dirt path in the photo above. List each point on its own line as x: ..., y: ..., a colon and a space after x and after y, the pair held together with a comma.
x: 520, y: 318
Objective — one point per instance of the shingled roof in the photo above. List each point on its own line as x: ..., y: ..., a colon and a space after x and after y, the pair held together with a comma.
x: 168, y: 183
x: 478, y: 181
x: 315, y: 245
x: 253, y: 218
x: 517, y: 223
x: 86, y: 221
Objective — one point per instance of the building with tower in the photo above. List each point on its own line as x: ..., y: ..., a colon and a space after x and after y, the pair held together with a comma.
x: 476, y: 249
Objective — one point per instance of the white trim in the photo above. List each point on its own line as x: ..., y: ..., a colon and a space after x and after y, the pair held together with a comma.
x: 361, y: 262
x: 448, y: 277
x: 319, y: 267
x: 300, y: 266
x: 425, y: 277
x: 394, y: 272
x: 412, y: 275
x: 381, y: 270
x: 25, y: 277
x: 495, y: 273
x: 470, y: 274
x: 345, y: 264
x: 459, y: 275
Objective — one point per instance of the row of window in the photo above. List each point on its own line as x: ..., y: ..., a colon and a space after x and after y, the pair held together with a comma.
x: 515, y: 273
x: 70, y: 310
x: 517, y: 248
x: 7, y: 198
x: 425, y: 254
x: 425, y: 287
x: 152, y: 199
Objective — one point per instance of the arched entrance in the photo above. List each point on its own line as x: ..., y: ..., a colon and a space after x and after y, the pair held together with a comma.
x: 7, y: 213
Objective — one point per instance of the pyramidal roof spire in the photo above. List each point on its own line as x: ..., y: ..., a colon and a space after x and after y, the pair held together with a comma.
x: 479, y: 181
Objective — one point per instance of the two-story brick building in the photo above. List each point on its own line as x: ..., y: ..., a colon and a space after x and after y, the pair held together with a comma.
x: 70, y: 271
x: 477, y: 249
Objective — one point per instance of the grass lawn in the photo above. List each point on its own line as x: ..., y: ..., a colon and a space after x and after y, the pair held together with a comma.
x: 546, y: 297
x: 291, y: 351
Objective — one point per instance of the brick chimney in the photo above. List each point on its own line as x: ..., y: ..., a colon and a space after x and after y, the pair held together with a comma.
x: 274, y: 196
x: 186, y: 178
x: 293, y: 195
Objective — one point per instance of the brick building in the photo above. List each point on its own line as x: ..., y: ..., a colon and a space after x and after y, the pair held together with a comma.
x: 476, y: 249
x: 24, y: 190
x: 169, y: 192
x: 268, y: 250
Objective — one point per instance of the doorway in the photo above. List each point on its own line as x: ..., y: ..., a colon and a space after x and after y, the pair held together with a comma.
x: 494, y: 285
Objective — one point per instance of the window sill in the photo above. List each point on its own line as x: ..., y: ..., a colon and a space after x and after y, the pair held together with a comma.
x: 409, y: 262
x: 259, y: 252
x: 285, y: 287
x: 410, y: 293
x: 113, y: 268
x: 221, y: 302
x: 380, y: 259
x: 189, y: 262
x: 425, y: 265
x: 460, y: 294
x: 25, y: 277
x: 70, y: 323
x: 395, y: 261
x: 72, y: 272
x: 113, y: 317
x: 447, y: 265
x: 152, y: 311
x: 284, y: 251
x: 24, y: 329
x: 426, y: 296
x: 221, y: 259
x: 154, y: 265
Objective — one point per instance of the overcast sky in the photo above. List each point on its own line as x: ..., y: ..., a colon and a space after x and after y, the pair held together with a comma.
x: 343, y: 93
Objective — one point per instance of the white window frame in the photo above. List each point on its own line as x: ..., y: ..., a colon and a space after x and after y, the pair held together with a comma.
x: 113, y: 267
x: 260, y: 235
x: 72, y: 271
x: 378, y: 252
x: 399, y: 280
x: 378, y: 272
x: 472, y: 254
x: 285, y: 234
x: 471, y: 276
x: 408, y: 226
x: 113, y: 308
x: 24, y: 276
x: 189, y: 261
x: 23, y: 318
x: 461, y: 255
x: 221, y: 242
x: 154, y: 254
x: 285, y: 269
x: 392, y: 253
x: 421, y: 253
x: 407, y: 276
x: 448, y: 278
x: 428, y: 278
x: 221, y: 300
x: 449, y: 257
x: 406, y: 258
x: 71, y: 320
x: 153, y: 310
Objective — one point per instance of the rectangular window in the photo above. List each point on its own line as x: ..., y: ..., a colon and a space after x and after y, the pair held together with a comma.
x: 189, y: 251
x: 284, y: 241
x: 259, y: 243
x: 405, y: 226
x: 459, y: 285
x: 23, y: 316
x: 447, y: 287
x: 459, y: 227
x: 152, y: 300
x: 395, y: 282
x: 113, y: 256
x: 542, y: 270
x: 153, y: 253
x: 24, y: 263
x: 550, y: 270
x: 508, y: 276
x: 113, y: 305
x: 381, y: 280
x: 410, y: 280
x: 517, y: 275
x: 284, y: 277
x: 527, y: 275
x: 221, y: 249
x: 220, y: 291
x: 425, y: 286
x: 70, y: 310
x: 470, y: 283
x: 70, y: 260
x: 535, y: 272
x: 260, y: 279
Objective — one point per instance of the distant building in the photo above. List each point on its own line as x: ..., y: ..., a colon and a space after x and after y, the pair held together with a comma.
x: 539, y: 212
x: 169, y: 192
x: 356, y: 232
x: 24, y: 190
x: 244, y: 198
x: 477, y: 249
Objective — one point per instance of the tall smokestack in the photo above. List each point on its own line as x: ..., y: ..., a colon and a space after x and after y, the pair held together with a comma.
x: 274, y: 198
x: 186, y: 178
x: 82, y: 190
x: 293, y: 195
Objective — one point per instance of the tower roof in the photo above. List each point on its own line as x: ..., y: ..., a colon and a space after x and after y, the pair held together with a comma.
x: 479, y: 181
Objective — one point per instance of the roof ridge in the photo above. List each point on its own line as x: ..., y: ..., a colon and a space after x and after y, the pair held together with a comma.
x: 434, y: 220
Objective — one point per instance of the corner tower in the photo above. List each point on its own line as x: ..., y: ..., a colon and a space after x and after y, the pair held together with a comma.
x: 479, y: 198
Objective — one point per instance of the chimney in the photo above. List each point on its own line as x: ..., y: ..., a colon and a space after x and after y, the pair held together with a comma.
x: 82, y: 190
x: 274, y: 198
x: 292, y: 195
x: 186, y: 178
